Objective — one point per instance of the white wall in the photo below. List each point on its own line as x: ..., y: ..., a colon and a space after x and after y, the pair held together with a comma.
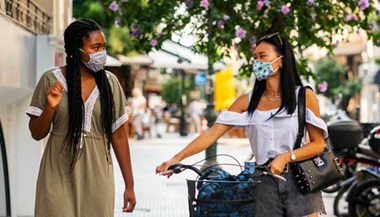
x: 23, y: 59
x: 23, y: 157
x: 17, y: 78
x: 17, y: 56
x: 369, y: 100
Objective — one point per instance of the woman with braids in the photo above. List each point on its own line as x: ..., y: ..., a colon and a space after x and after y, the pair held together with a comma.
x: 84, y: 109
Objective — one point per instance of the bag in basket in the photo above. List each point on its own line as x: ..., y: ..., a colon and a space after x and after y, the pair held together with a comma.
x: 226, y: 195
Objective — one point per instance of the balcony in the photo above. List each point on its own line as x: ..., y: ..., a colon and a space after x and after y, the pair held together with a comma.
x: 27, y: 14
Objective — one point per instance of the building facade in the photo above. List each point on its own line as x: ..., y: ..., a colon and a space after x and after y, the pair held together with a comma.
x: 32, y: 39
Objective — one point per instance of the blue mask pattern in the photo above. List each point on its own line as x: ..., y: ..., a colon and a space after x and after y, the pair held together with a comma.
x: 262, y: 70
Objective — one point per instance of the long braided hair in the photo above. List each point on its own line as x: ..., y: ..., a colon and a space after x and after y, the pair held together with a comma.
x: 74, y: 35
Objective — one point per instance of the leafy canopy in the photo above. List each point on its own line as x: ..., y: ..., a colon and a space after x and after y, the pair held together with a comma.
x: 219, y: 25
x: 118, y: 38
x: 334, y: 73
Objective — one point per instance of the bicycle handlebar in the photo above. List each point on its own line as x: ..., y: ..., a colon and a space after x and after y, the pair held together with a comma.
x: 178, y: 168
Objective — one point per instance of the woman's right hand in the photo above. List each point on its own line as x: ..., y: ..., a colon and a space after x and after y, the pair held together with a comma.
x: 165, y: 165
x: 54, y: 94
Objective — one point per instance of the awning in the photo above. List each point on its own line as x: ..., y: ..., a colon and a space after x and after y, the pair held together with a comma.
x: 356, y: 45
x: 176, y: 56
x: 135, y: 60
x: 112, y: 62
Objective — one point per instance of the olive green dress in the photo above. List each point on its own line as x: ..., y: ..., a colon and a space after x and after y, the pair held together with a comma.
x: 88, y: 191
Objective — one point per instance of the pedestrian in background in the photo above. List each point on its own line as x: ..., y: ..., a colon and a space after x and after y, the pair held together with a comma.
x: 84, y: 110
x: 269, y: 113
x: 195, y: 110
x: 138, y: 111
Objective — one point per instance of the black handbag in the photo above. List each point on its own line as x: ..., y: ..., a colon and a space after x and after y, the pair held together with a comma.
x: 318, y: 172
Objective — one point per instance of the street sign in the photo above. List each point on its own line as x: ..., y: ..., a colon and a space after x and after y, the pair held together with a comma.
x: 200, y: 79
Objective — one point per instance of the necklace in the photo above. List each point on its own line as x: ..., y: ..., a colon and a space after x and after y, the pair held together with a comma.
x: 272, y: 98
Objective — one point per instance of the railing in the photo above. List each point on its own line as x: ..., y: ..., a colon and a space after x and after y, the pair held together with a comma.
x: 28, y: 14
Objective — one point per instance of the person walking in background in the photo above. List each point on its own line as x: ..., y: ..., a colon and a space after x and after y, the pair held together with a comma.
x: 138, y: 111
x: 269, y: 113
x: 195, y: 110
x: 84, y: 110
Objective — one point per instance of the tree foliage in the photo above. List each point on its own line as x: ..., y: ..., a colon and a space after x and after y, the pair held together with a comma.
x: 331, y: 72
x: 171, y: 91
x: 222, y: 24
x: 118, y: 38
x: 334, y: 73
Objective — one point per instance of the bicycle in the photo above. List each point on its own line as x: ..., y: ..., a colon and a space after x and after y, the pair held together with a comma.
x: 216, y: 193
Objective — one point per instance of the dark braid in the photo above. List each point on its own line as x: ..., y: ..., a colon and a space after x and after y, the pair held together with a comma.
x: 74, y: 35
x: 106, y: 103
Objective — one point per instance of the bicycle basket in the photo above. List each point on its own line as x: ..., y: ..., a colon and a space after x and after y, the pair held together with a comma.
x: 223, y: 195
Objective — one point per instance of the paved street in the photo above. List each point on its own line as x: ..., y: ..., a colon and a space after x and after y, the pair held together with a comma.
x: 158, y: 196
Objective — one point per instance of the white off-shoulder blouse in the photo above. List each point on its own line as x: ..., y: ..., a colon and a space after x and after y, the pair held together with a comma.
x: 270, y: 137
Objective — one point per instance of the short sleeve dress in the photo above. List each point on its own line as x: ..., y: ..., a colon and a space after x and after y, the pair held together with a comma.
x: 87, y: 191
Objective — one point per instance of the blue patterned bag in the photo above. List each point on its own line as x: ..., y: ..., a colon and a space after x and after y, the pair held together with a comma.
x: 226, y: 195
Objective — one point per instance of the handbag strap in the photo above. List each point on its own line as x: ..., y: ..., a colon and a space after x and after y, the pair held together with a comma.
x: 301, y: 116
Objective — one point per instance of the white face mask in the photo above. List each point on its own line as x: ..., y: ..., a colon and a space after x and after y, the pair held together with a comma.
x: 97, y: 60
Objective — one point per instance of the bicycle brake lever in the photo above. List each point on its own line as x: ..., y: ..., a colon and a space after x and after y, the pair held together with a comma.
x: 175, y: 168
x: 279, y: 177
x: 266, y: 171
x: 166, y: 172
x: 274, y: 175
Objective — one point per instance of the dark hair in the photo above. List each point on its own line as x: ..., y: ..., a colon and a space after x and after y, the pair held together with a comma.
x: 74, y: 35
x: 289, y: 77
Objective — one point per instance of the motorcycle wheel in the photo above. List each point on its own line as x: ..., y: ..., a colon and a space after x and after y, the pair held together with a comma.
x: 366, y: 200
x: 340, y: 203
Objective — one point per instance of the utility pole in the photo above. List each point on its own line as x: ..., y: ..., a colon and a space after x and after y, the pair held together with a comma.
x: 183, y: 121
x: 210, y: 113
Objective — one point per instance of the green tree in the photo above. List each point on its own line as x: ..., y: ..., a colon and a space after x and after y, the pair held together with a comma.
x: 175, y: 87
x: 221, y: 24
x: 171, y: 91
x: 118, y: 38
x: 331, y: 72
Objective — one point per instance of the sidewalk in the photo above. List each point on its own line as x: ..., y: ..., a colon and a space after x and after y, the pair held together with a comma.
x: 158, y: 196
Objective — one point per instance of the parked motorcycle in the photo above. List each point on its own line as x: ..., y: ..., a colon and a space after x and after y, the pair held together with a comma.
x: 353, y: 148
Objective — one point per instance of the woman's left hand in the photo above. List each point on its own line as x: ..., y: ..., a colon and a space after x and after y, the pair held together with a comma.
x: 278, y: 164
x: 129, y: 200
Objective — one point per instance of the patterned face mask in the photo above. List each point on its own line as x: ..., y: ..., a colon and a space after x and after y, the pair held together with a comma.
x: 97, y: 60
x: 262, y: 70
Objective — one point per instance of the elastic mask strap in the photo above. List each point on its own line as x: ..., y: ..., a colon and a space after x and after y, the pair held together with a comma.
x: 276, y: 59
x: 80, y: 49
